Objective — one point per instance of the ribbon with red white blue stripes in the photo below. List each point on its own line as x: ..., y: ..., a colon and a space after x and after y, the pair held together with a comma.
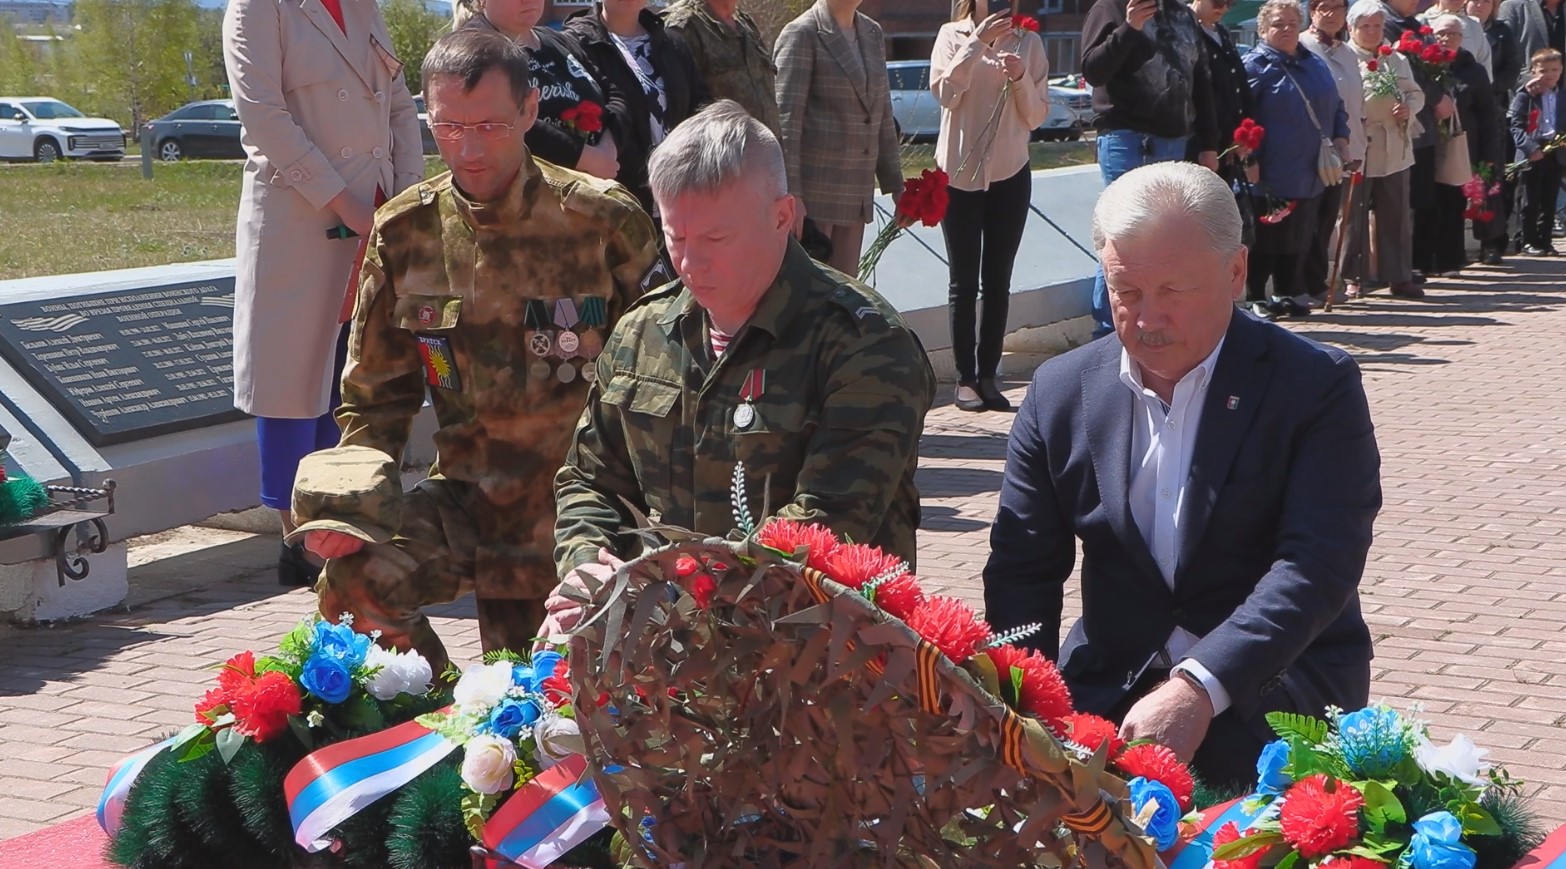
x: 551, y: 814
x: 111, y: 804
x: 334, y: 783
x: 1198, y: 852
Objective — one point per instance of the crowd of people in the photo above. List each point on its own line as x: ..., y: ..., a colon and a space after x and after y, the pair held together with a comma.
x: 1388, y: 133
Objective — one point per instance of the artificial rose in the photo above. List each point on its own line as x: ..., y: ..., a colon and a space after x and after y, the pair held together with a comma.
x: 1271, y: 780
x: 508, y: 718
x: 340, y: 641
x: 261, y: 712
x: 1371, y: 65
x: 1163, y: 824
x: 557, y: 739
x: 482, y: 686
x: 1461, y: 760
x: 488, y: 765
x: 399, y: 673
x: 1437, y: 843
x: 326, y: 677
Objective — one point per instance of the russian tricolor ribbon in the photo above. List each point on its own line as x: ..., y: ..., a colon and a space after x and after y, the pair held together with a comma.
x: 551, y: 814
x: 1197, y: 852
x: 334, y: 783
x: 111, y: 805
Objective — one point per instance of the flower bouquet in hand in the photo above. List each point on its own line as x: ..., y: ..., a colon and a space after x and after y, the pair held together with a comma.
x: 1476, y: 193
x: 924, y: 200
x: 1021, y: 24
x: 1545, y: 150
x: 1367, y: 790
x: 1248, y: 135
x: 586, y: 117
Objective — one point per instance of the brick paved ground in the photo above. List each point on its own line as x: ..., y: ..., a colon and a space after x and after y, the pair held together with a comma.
x: 1466, y: 590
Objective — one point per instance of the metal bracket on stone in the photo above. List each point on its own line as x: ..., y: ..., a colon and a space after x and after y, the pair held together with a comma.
x: 71, y: 509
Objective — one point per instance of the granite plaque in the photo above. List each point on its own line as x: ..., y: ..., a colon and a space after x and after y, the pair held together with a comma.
x: 129, y: 364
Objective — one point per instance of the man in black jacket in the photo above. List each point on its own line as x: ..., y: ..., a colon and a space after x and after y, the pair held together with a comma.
x: 661, y: 90
x: 1151, y: 91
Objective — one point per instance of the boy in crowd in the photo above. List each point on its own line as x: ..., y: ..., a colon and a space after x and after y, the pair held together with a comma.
x: 1536, y: 120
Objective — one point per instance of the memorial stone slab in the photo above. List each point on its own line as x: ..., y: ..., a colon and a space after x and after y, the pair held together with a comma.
x: 129, y: 364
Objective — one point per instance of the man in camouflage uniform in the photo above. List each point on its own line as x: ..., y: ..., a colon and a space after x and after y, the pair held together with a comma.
x: 730, y: 54
x: 756, y: 355
x: 493, y: 288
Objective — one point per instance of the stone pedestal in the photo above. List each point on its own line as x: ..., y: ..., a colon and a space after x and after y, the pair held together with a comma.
x: 31, y: 591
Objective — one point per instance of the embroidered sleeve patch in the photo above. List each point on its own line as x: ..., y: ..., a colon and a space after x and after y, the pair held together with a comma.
x: 440, y: 364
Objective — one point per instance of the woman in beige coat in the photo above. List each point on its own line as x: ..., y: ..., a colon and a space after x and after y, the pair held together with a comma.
x: 329, y: 128
x: 1391, y: 124
x: 835, y: 106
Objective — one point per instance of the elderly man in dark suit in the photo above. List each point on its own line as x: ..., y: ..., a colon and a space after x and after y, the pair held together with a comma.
x: 1222, y: 476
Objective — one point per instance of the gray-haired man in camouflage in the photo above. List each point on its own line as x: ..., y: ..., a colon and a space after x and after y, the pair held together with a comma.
x: 492, y: 287
x: 757, y: 354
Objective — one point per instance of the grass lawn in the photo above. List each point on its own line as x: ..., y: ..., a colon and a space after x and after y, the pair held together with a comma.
x: 69, y: 217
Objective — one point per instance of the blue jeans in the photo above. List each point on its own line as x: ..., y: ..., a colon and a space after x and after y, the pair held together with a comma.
x: 1120, y: 151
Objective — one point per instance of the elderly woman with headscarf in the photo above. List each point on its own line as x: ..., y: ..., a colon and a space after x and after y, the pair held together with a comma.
x: 1481, y: 120
x: 1393, y: 99
x: 1297, y: 103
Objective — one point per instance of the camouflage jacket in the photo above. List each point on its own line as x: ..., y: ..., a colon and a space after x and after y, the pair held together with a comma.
x: 735, y: 62
x: 839, y: 389
x: 496, y: 310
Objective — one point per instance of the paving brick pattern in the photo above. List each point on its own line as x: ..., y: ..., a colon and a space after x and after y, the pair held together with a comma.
x: 1465, y: 590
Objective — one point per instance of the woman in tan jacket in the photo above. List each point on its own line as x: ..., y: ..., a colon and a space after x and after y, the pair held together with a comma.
x: 991, y: 79
x: 328, y: 127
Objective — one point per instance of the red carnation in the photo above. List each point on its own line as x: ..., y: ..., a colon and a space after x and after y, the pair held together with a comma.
x: 1091, y: 731
x: 1044, y: 694
x: 788, y: 536
x: 1384, y: 50
x: 1371, y: 66
x: 951, y: 625
x: 557, y: 688
x: 1025, y: 22
x: 262, y: 712
x: 211, y: 706
x: 1426, y: 30
x: 236, y: 675
x: 1320, y: 815
x: 702, y: 588
x: 1159, y: 763
x: 899, y: 597
x: 1231, y: 833
x: 1350, y: 862
x: 854, y: 564
x: 584, y: 117
x: 685, y: 565
x: 925, y: 198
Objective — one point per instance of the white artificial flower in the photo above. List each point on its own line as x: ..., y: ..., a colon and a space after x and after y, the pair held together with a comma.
x: 558, y: 738
x: 400, y: 673
x: 482, y: 686
x: 488, y: 764
x: 1462, y: 760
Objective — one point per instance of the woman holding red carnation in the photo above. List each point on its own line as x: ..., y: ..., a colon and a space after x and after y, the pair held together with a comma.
x: 991, y: 78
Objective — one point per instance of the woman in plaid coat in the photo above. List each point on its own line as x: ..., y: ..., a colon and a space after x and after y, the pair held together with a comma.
x: 833, y: 60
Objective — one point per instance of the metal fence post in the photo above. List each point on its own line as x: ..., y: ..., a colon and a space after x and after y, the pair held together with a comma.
x: 146, y: 151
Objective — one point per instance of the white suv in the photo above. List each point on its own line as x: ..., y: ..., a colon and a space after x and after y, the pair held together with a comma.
x: 44, y: 129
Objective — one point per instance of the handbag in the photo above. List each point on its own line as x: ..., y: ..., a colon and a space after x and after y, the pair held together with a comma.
x: 1452, y: 167
x: 1329, y: 166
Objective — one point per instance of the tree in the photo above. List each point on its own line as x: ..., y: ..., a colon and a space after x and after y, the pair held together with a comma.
x: 413, y: 28
x: 130, y: 55
x: 772, y: 15
x: 18, y: 65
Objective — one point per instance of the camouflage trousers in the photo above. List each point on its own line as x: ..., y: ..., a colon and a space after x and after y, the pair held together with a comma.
x: 452, y: 541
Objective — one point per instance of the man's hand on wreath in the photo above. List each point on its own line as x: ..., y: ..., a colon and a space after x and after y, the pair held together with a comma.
x: 1176, y: 713
x: 562, y: 612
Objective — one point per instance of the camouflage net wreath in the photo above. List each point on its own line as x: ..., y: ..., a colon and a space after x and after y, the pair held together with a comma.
x: 751, y: 710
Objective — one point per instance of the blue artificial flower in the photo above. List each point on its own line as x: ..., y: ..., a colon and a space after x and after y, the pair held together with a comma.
x: 508, y: 718
x: 543, y: 667
x: 1164, y: 828
x: 1437, y: 843
x: 1373, y: 741
x: 1271, y: 780
x: 340, y: 642
x: 327, y: 677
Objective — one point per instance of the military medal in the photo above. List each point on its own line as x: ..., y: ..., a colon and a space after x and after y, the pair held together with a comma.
x: 592, y: 345
x: 569, y: 342
x: 539, y: 370
x: 755, y: 384
x: 567, y: 372
x: 539, y: 343
x: 590, y: 373
x: 539, y: 340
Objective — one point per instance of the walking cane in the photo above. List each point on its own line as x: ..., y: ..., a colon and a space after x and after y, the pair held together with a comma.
x: 1343, y: 231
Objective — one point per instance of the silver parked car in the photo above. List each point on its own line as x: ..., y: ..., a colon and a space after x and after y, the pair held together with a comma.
x: 918, y: 115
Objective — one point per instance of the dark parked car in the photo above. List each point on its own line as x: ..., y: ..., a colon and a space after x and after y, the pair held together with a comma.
x: 424, y: 125
x: 209, y: 128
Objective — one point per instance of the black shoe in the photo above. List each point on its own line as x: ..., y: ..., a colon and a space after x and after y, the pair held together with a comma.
x: 1419, y: 277
x: 1533, y: 250
x: 1491, y: 258
x: 294, y: 570
x: 967, y: 397
x: 1292, y: 308
x: 993, y: 399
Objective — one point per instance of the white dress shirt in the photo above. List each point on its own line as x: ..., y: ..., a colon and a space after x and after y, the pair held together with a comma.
x: 1163, y: 440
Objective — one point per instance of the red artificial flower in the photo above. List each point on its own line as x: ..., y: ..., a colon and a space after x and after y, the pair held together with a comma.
x: 262, y: 712
x: 1340, y: 861
x: 1371, y: 65
x: 1159, y: 763
x: 951, y: 625
x: 1091, y: 731
x: 702, y: 588
x: 854, y: 564
x: 1025, y: 22
x: 1320, y: 815
x: 557, y: 688
x: 1231, y: 833
x: 1044, y: 694
x: 788, y: 536
x: 685, y: 565
x: 900, y: 597
x: 236, y: 675
x: 211, y: 706
x: 1384, y: 50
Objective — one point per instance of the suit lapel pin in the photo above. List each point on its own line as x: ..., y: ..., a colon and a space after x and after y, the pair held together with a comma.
x: 1234, y: 402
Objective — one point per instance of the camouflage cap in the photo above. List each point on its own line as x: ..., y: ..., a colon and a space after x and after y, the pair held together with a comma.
x: 350, y: 490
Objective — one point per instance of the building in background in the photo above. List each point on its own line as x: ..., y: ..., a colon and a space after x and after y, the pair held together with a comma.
x: 24, y: 12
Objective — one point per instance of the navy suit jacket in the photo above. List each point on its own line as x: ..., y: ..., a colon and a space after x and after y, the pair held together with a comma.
x: 1284, y: 487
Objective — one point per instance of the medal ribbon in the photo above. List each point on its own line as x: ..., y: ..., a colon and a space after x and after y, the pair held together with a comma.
x: 755, y: 384
x: 594, y: 311
x: 537, y: 315
x: 565, y: 314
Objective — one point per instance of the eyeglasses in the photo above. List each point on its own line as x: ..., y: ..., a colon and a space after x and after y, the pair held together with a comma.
x: 452, y: 131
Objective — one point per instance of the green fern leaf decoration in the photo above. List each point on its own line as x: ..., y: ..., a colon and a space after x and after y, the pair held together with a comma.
x: 1291, y: 725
